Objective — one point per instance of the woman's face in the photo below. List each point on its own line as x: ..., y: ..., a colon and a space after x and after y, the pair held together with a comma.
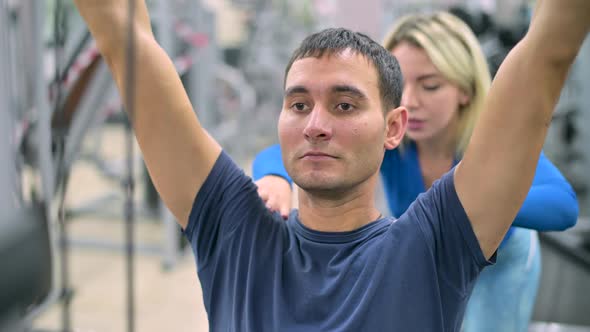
x: 432, y: 101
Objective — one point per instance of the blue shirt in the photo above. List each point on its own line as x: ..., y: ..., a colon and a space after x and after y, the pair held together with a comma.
x: 550, y: 205
x: 260, y: 273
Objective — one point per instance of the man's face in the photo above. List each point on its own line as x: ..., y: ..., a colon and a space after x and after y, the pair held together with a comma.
x: 332, y: 128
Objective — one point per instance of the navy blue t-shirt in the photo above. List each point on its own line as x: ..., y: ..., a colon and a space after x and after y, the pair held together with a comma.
x: 260, y: 273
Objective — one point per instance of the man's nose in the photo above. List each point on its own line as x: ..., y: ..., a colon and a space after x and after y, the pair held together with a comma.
x: 319, y: 125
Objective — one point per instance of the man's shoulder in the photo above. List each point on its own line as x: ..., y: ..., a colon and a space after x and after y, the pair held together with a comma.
x: 442, y: 194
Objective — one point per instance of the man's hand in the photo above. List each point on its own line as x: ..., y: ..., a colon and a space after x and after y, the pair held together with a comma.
x: 276, y: 193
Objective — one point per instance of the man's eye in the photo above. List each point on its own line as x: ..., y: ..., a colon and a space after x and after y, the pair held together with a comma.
x: 346, y: 107
x: 299, y: 107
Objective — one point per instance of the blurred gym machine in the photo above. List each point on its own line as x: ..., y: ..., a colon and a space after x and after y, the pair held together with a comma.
x: 28, y: 256
x: 55, y: 91
x: 46, y: 112
x: 564, y: 294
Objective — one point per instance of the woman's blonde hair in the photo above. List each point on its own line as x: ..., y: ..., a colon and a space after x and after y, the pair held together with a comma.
x: 456, y: 53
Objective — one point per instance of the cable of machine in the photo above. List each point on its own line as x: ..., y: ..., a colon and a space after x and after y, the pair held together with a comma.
x: 62, y: 174
x: 129, y: 183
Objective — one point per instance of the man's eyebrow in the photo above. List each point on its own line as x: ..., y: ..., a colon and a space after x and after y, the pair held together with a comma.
x: 295, y: 90
x: 335, y: 89
x: 349, y: 89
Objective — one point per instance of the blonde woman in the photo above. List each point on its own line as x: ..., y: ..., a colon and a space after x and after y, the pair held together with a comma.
x: 446, y: 79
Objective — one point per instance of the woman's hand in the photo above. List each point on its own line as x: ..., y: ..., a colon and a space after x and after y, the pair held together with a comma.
x: 276, y: 193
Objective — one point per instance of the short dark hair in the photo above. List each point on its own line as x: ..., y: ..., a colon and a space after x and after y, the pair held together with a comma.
x: 334, y: 41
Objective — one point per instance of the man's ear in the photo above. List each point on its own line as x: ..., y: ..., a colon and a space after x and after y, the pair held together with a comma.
x: 396, y: 121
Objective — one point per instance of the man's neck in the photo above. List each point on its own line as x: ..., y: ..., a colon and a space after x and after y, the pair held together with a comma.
x: 347, y: 212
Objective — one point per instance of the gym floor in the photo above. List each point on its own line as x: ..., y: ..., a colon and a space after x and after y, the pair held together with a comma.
x: 165, y: 299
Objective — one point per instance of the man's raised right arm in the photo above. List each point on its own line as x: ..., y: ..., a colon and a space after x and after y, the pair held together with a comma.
x: 178, y: 152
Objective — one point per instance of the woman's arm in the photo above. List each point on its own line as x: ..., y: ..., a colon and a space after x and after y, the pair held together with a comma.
x: 272, y: 180
x: 269, y: 162
x: 551, y: 203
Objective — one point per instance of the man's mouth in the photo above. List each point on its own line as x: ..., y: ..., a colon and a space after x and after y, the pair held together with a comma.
x: 317, y: 155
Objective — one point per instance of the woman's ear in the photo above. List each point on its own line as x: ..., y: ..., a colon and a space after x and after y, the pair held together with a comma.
x: 396, y: 121
x: 464, y: 98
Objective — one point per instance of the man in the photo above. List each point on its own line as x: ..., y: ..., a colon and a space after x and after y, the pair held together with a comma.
x: 336, y: 265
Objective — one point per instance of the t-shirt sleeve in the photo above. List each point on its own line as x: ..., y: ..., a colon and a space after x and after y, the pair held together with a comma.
x: 227, y: 201
x: 448, y: 232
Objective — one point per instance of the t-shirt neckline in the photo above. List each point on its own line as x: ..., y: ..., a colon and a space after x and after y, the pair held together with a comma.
x: 335, y: 237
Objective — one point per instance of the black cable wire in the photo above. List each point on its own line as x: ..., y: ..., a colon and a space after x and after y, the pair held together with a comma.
x: 130, y: 183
